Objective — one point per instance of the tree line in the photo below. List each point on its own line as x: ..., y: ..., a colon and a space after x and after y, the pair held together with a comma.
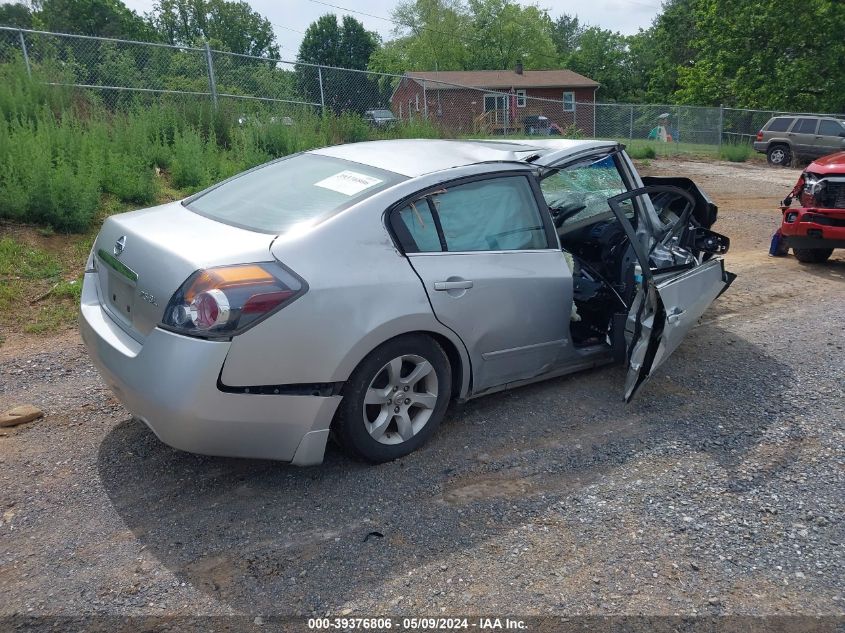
x: 778, y: 54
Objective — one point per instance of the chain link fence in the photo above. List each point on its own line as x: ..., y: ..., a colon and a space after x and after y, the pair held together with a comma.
x: 124, y: 72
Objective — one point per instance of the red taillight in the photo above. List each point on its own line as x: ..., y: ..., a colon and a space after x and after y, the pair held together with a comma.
x: 266, y: 301
x: 226, y: 300
x: 760, y: 135
x: 209, y: 308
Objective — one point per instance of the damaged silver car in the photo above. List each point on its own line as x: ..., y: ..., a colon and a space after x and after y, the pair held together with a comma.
x: 356, y: 290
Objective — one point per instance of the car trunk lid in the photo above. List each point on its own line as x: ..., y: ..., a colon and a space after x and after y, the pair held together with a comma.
x: 144, y: 256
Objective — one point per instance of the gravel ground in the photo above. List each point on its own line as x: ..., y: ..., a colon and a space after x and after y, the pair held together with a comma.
x: 719, y: 490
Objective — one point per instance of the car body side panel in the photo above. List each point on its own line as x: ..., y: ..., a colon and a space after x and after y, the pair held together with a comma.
x: 514, y: 319
x: 802, y: 142
x: 362, y: 292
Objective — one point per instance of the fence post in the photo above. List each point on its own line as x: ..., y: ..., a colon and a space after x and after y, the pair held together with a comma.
x: 631, y: 131
x: 212, y: 83
x: 25, y: 54
x: 322, y: 94
x: 425, y: 102
x: 721, y: 124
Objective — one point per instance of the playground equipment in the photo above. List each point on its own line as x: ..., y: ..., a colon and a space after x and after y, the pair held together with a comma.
x: 663, y: 132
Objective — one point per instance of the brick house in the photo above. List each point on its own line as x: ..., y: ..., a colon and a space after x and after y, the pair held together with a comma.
x: 497, y: 101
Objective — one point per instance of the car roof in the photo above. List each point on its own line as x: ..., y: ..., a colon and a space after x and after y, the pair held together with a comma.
x: 415, y: 157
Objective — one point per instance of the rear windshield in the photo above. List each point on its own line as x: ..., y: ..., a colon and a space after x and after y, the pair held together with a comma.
x: 384, y: 114
x: 305, y: 188
x: 780, y: 125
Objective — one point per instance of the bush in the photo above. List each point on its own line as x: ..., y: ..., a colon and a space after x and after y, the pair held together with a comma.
x: 129, y: 178
x: 641, y: 151
x: 189, y: 168
x: 735, y: 152
x: 61, y: 148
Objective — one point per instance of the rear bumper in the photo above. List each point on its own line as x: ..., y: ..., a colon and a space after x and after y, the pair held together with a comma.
x: 813, y: 228
x: 760, y: 147
x: 170, y: 383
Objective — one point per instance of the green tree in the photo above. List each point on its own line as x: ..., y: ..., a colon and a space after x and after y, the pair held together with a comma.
x: 669, y: 45
x: 479, y: 35
x: 781, y: 54
x: 106, y: 18
x: 643, y: 62
x: 15, y: 14
x: 602, y: 55
x: 232, y: 26
x: 566, y: 32
x: 505, y: 32
x: 345, y: 45
x: 432, y: 35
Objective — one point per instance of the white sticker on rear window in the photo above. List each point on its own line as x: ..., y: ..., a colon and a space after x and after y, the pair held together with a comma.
x: 348, y: 182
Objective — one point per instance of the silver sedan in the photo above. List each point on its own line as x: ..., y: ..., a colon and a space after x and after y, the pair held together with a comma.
x: 356, y: 290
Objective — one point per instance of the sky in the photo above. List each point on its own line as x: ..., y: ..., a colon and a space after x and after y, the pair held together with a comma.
x: 290, y: 18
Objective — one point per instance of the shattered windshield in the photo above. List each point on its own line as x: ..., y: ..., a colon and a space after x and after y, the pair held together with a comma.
x: 581, y: 190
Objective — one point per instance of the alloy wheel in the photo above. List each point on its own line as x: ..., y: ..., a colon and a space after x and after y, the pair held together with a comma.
x: 400, y: 399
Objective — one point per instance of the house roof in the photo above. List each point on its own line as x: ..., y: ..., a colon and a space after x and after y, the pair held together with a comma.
x: 504, y: 79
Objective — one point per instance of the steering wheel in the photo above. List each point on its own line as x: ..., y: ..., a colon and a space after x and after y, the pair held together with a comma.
x: 562, y: 213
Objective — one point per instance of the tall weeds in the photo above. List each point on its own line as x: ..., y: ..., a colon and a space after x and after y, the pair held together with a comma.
x: 61, y: 149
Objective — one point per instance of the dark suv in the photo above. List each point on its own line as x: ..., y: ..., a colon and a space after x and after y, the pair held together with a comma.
x: 804, y: 137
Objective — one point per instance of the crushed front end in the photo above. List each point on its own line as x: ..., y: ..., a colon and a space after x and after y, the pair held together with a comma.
x: 817, y: 223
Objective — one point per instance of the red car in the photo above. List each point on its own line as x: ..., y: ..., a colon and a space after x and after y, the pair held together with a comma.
x: 817, y: 226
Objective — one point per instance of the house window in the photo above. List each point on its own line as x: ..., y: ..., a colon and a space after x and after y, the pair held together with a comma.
x: 520, y: 99
x: 569, y: 101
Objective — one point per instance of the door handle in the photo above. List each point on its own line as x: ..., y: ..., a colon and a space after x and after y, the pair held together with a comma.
x: 674, y: 316
x: 453, y: 285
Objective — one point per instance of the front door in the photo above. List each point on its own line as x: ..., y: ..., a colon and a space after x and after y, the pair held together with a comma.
x: 489, y: 262
x: 678, y: 282
x: 498, y: 105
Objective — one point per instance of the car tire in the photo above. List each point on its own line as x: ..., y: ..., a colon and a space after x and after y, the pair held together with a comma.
x: 395, y: 399
x: 812, y: 255
x: 779, y: 155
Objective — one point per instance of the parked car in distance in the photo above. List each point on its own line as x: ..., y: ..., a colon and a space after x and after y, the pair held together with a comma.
x: 817, y: 225
x: 380, y: 118
x: 360, y: 288
x: 785, y: 138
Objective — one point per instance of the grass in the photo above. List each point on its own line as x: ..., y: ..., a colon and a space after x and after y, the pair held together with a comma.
x: 642, y: 151
x: 41, y: 280
x: 735, y: 152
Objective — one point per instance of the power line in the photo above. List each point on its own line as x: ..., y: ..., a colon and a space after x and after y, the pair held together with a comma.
x: 287, y: 28
x: 369, y: 15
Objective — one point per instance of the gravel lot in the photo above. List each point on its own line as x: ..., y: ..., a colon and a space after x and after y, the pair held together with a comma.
x: 719, y: 490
